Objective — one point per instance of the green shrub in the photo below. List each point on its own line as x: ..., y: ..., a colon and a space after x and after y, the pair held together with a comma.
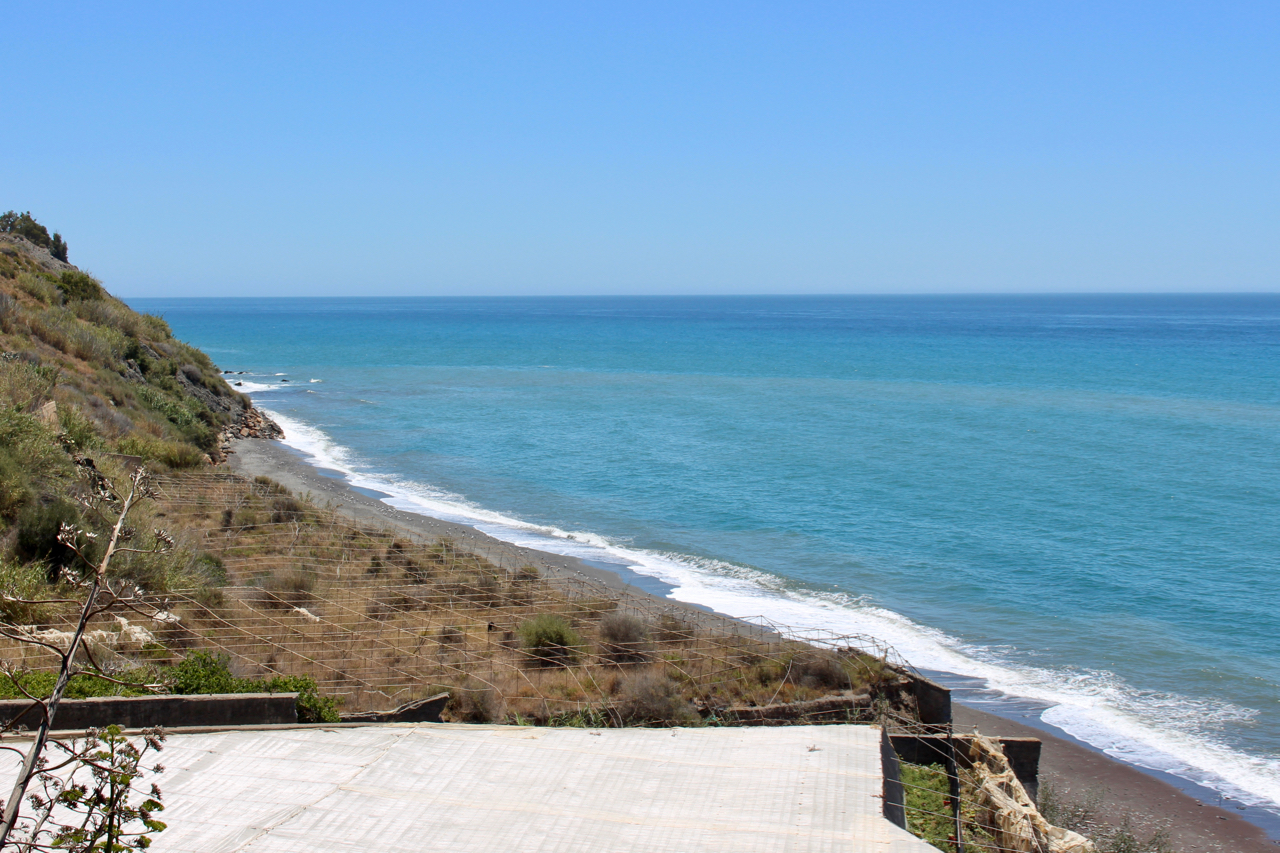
x: 30, y: 461
x: 113, y: 315
x: 39, y: 287
x: 550, y: 640
x: 156, y: 327
x: 77, y: 285
x: 165, y: 405
x: 25, y: 385
x: 170, y: 454
x: 210, y: 570
x: 204, y: 673
x: 37, y: 540
x: 82, y: 686
x: 77, y: 427
x: 14, y: 491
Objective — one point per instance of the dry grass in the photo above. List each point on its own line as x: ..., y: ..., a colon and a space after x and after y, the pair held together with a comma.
x: 380, y: 619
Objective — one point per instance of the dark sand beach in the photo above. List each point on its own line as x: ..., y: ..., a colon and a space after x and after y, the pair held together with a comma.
x: 1148, y: 802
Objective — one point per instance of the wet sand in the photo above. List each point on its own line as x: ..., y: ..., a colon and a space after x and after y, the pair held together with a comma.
x: 1149, y: 802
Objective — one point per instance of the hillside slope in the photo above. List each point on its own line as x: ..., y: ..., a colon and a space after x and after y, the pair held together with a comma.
x: 84, y: 376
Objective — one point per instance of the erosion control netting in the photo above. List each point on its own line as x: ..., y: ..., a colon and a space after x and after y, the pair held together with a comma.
x: 380, y: 617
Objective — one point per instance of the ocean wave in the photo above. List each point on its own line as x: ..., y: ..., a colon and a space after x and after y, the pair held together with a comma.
x: 249, y: 387
x: 1164, y: 732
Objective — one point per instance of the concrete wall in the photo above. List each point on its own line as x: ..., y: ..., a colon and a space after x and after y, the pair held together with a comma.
x: 933, y: 701
x: 893, y: 794
x: 138, y: 712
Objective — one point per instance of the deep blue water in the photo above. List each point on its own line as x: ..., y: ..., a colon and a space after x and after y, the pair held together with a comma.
x: 1073, y: 497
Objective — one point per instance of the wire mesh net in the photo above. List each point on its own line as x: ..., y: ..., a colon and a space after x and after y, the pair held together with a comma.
x: 380, y: 616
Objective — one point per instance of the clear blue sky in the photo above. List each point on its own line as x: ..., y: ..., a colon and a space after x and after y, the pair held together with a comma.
x: 608, y: 147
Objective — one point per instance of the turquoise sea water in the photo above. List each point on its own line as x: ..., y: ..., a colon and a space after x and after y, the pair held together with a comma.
x: 1074, y: 498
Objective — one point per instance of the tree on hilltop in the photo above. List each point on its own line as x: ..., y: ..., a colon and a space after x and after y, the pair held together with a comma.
x: 25, y: 225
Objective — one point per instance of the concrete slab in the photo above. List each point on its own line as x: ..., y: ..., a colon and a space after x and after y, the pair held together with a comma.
x: 462, y: 788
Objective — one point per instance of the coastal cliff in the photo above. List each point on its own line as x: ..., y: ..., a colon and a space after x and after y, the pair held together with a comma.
x: 118, y: 380
x: 87, y: 381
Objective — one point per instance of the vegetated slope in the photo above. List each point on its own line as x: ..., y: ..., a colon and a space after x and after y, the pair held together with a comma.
x: 83, y: 375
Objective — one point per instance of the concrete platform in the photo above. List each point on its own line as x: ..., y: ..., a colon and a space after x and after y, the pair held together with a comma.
x: 463, y: 788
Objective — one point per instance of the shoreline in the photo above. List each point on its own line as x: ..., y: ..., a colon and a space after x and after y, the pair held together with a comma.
x: 1149, y: 801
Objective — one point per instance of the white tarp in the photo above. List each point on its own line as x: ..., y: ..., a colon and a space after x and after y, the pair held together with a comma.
x: 463, y: 788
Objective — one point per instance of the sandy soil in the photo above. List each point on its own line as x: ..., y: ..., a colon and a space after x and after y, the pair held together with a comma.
x: 1148, y: 802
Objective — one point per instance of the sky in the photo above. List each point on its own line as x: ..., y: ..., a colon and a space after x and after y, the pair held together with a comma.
x: 485, y: 148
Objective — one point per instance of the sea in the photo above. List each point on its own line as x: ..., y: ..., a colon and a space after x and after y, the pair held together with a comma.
x: 1062, y: 504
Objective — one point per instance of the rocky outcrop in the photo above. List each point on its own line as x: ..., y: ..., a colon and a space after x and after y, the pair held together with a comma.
x: 254, y: 424
x: 218, y: 403
x: 11, y: 243
x: 250, y: 424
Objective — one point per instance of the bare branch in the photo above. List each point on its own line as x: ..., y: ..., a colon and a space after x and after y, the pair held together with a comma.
x: 97, y: 585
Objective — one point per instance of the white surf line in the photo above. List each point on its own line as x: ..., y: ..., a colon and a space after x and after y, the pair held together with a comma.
x: 1096, y: 707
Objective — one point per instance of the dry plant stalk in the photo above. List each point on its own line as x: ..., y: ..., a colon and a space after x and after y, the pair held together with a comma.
x: 102, y: 595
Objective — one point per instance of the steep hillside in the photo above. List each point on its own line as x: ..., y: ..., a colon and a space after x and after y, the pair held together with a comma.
x: 84, y: 376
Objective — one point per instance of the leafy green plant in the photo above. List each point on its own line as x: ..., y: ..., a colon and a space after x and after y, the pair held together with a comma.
x: 84, y: 685
x: 78, y: 285
x: 928, y: 804
x: 202, y: 673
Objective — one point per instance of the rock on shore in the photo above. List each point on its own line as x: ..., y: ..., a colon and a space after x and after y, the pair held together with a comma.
x: 251, y: 424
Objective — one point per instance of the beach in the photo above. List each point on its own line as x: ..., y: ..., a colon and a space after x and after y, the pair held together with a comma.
x: 1148, y: 802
